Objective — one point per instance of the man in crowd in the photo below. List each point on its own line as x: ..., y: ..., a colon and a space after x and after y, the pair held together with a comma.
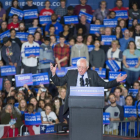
x: 119, y: 6
x: 136, y: 85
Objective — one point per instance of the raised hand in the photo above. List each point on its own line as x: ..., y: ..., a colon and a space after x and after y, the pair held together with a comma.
x: 53, y: 69
x: 121, y: 78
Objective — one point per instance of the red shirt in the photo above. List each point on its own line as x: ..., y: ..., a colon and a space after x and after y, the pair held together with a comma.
x: 45, y: 12
x: 117, y: 9
x: 12, y: 25
x: 61, y: 52
x: 86, y: 9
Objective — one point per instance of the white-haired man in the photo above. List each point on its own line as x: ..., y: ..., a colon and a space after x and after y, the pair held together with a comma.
x: 78, y: 78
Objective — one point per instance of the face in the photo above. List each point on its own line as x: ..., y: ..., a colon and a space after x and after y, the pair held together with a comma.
x: 83, y: 2
x: 80, y: 31
x: 13, y: 33
x: 134, y: 6
x: 89, y: 39
x: 97, y: 22
x: 97, y: 44
x: 70, y: 12
x: 114, y: 46
x: 1, y: 63
x: 119, y: 3
x: 52, y: 30
x: 131, y: 45
x: 62, y: 40
x: 47, y: 4
x: 23, y: 104
x: 7, y: 44
x: 63, y: 93
x: 138, y: 28
x: 41, y: 104
x: 47, y: 101
x: 4, y: 25
x: 35, y: 22
x: 37, y: 36
x: 9, y: 109
x: 122, y: 23
x: 102, y: 31
x: 29, y: 3
x: 66, y: 28
x: 47, y: 109
x: 79, y: 39
x: 117, y: 93
x: 103, y: 5
x: 39, y: 30
x: 15, y: 19
x: 83, y: 18
x: 21, y: 27
x: 129, y: 101
x: 12, y: 102
x: 20, y: 97
x: 112, y: 99
x: 47, y: 42
x: 15, y: 3
x: 136, y: 86
x: 12, y: 93
x: 53, y: 18
x: 118, y: 30
x: 7, y: 85
x: 112, y: 15
x: 135, y: 22
x: 30, y: 38
x: 33, y: 101
x: 126, y: 33
x: 30, y: 109
x: 53, y: 39
x: 107, y: 31
x: 82, y: 67
x: 71, y: 42
x: 62, y: 3
x: 42, y: 94
x: 57, y: 102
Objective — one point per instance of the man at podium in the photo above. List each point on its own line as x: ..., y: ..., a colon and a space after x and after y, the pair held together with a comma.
x: 82, y: 76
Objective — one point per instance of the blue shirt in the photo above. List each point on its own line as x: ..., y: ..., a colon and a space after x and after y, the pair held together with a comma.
x: 57, y: 25
x: 124, y: 43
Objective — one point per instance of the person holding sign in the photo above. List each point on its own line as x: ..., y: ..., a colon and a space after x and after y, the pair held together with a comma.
x: 30, y: 62
x: 73, y: 78
x: 131, y: 66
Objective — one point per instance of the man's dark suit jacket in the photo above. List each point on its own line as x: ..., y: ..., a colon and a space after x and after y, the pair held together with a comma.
x: 71, y: 79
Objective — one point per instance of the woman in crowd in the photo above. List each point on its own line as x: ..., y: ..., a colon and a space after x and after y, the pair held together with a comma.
x: 134, y: 23
x: 42, y: 104
x: 122, y: 23
x: 42, y: 93
x: 37, y: 37
x: 2, y: 13
x: 132, y: 72
x: 3, y: 27
x: 34, y: 101
x: 9, y: 115
x: 48, y: 116
x: 89, y: 40
x: 118, y: 32
x: 22, y: 106
x: 35, y: 23
x: 57, y: 102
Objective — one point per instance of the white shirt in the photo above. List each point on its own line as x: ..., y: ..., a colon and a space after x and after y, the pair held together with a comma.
x: 52, y: 116
x: 78, y: 79
x: 30, y: 62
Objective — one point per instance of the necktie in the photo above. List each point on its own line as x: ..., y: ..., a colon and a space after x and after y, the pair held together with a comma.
x: 82, y: 81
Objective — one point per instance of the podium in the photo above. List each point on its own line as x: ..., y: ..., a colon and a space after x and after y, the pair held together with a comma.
x: 86, y: 113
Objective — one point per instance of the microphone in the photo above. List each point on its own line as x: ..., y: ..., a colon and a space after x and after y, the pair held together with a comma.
x: 81, y: 82
x: 87, y: 82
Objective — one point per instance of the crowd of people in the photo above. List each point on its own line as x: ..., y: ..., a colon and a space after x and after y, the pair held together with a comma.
x: 60, y: 42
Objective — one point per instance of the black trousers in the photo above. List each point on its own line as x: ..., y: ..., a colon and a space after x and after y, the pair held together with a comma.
x: 32, y: 70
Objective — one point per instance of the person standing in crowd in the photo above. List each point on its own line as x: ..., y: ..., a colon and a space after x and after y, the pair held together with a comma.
x: 62, y: 93
x: 61, y: 53
x: 46, y: 11
x: 14, y: 24
x: 11, y: 55
x: 119, y: 6
x: 30, y: 62
x: 2, y: 13
x: 46, y: 53
x: 62, y: 9
x: 125, y: 40
x: 79, y: 49
x: 57, y: 25
x: 101, y: 13
x: 83, y: 7
x: 97, y: 56
x: 13, y: 37
x: 132, y: 72
x: 116, y: 114
x: 29, y: 6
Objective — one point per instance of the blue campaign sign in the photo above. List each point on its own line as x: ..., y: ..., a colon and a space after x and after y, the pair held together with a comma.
x: 1, y: 83
x: 130, y: 111
x: 32, y: 51
x: 16, y: 104
x: 46, y: 61
x: 32, y: 30
x: 122, y: 14
x: 71, y: 19
x: 113, y: 66
x: 95, y: 28
x: 61, y: 73
x: 132, y: 62
x: 74, y: 60
x: 23, y: 79
x: 30, y: 14
x: 88, y: 16
x: 113, y: 75
x: 107, y: 39
x: 33, y: 119
x: 44, y: 19
x: 47, y: 129
x: 101, y: 73
x: 86, y: 91
x: 40, y: 78
x: 110, y: 22
x: 8, y: 70
x: 106, y: 117
x: 133, y: 92
x: 17, y: 12
x: 70, y: 68
x: 4, y: 34
x: 90, y: 48
x: 22, y: 36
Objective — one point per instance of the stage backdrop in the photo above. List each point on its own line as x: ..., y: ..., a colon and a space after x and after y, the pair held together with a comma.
x: 54, y: 3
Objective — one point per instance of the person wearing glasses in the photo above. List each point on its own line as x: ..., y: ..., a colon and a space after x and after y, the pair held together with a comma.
x: 72, y: 78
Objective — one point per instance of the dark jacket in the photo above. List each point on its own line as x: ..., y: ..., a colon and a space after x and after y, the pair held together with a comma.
x: 71, y: 79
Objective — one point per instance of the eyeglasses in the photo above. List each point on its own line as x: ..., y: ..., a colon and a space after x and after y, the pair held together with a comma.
x: 82, y: 68
x: 112, y: 98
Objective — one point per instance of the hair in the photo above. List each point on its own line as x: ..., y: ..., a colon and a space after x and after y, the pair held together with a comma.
x: 129, y: 96
x: 10, y: 98
x: 83, y: 59
x: 51, y: 26
x: 11, y: 107
x: 12, y: 30
x: 85, y: 40
x: 50, y: 105
x: 30, y: 104
x: 124, y: 22
x: 115, y: 41
x: 121, y: 35
x: 136, y: 82
x: 47, y: 1
x: 25, y: 105
x: 72, y: 38
x: 3, y: 30
x: 46, y: 39
x: 134, y: 45
x: 103, y: 2
x: 62, y: 0
x: 42, y: 101
x: 36, y: 32
x: 48, y: 98
x: 13, y: 4
x: 62, y: 36
x: 31, y: 35
x: 112, y: 12
x: 1, y: 5
x: 60, y: 101
x: 36, y: 101
x: 118, y: 88
x: 135, y: 3
x: 111, y: 94
x: 14, y: 15
x: 118, y: 0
